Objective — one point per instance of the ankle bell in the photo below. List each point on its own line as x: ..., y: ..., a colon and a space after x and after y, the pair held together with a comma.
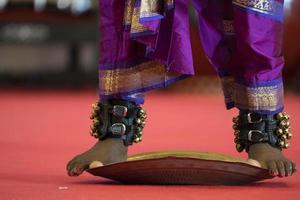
x: 118, y: 119
x: 252, y: 128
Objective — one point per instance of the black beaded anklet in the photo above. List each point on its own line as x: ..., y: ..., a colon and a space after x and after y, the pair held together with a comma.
x: 252, y: 128
x: 118, y: 119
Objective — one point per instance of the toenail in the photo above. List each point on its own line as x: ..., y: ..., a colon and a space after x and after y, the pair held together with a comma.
x: 95, y: 164
x: 77, y: 170
x: 273, y: 173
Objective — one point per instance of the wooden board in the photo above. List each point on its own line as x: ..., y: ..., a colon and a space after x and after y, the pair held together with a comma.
x: 182, y: 167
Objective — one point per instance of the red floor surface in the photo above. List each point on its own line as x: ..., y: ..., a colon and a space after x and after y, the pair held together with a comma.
x: 41, y: 131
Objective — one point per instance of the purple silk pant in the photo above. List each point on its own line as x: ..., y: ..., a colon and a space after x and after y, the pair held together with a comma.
x: 145, y: 45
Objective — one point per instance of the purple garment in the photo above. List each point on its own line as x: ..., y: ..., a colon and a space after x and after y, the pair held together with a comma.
x: 138, y: 98
x: 146, y: 48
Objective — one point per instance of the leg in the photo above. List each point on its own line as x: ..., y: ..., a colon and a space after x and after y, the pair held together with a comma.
x: 114, y: 47
x: 245, y: 49
x: 137, y: 53
x: 216, y: 30
x: 256, y: 65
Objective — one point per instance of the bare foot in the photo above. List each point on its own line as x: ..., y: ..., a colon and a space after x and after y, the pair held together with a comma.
x: 109, y: 151
x: 272, y: 159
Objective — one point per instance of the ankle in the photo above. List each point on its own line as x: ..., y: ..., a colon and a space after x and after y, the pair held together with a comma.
x: 117, y: 118
x: 265, y: 130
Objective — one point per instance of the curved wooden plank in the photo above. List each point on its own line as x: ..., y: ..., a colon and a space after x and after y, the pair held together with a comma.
x: 177, y: 167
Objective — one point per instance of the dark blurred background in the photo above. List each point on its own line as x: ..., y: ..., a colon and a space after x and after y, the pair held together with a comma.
x: 54, y: 43
x: 48, y: 43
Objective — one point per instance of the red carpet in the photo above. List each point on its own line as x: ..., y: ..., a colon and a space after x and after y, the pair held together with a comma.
x: 41, y: 131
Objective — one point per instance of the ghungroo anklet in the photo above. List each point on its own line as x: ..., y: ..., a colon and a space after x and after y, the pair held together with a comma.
x: 118, y: 119
x: 252, y: 128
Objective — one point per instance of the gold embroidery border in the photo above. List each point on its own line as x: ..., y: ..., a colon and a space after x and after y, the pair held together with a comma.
x: 144, y: 75
x: 228, y: 88
x: 268, y: 7
x: 150, y: 8
x: 136, y: 26
x: 268, y: 98
x: 128, y: 12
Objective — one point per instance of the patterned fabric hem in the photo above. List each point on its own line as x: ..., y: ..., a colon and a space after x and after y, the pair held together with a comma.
x: 265, y: 99
x: 142, y: 17
x: 140, y: 78
x: 268, y: 8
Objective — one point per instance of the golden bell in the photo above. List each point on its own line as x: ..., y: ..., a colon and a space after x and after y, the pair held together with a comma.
x: 140, y: 133
x: 235, y: 127
x: 283, y: 137
x: 239, y: 147
x: 280, y: 116
x: 286, y: 130
x: 93, y: 128
x: 284, y: 124
x: 137, y: 140
x: 138, y: 120
x: 279, y: 132
x: 289, y: 136
x: 236, y: 140
x: 142, y: 112
x: 94, y: 134
x: 93, y: 114
x: 286, y: 145
x: 95, y: 107
x: 144, y: 117
x: 96, y: 122
x: 286, y: 116
x: 236, y: 132
x: 281, y: 143
x: 235, y: 119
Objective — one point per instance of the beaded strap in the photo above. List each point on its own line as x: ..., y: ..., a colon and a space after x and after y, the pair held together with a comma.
x: 252, y: 128
x: 118, y: 119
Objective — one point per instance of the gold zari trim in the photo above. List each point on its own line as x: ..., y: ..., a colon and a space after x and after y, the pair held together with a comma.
x: 150, y: 8
x: 228, y: 88
x: 269, y: 7
x: 268, y: 98
x: 144, y: 75
x: 136, y: 26
x: 147, y: 9
x: 129, y: 6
